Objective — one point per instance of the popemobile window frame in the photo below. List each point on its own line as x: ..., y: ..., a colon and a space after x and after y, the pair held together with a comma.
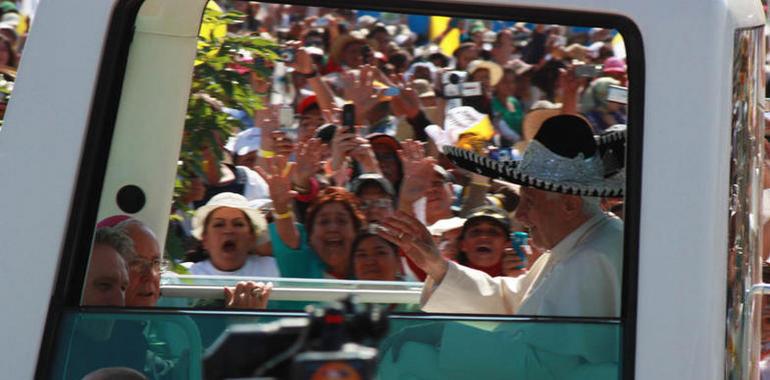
x: 113, y: 74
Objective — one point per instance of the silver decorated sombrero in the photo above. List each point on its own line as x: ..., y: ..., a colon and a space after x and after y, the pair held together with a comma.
x: 564, y: 157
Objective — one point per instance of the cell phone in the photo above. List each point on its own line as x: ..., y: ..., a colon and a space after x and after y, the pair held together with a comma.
x: 286, y: 117
x: 349, y: 117
x: 366, y: 52
x: 321, y: 22
x: 519, y: 239
x: 617, y: 94
x: 391, y: 91
x: 588, y: 71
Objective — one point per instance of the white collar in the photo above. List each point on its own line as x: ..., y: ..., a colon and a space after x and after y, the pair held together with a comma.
x: 566, y: 246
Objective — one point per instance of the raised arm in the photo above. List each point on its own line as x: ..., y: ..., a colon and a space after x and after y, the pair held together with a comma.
x: 305, y: 67
x: 418, y: 171
x: 277, y: 173
x: 411, y: 236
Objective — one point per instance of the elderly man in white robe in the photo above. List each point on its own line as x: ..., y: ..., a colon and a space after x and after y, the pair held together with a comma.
x: 579, y: 275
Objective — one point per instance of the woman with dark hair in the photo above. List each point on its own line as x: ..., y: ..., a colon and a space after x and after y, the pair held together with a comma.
x: 506, y: 108
x: 321, y: 247
x: 374, y: 258
x: 483, y: 239
x: 229, y: 231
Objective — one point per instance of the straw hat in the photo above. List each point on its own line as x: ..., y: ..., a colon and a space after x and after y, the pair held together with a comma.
x: 495, y: 71
x: 539, y: 112
x: 231, y: 200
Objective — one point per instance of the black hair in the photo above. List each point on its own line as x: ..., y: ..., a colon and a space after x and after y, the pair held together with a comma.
x: 462, y: 258
x: 367, y: 233
x: 363, y: 235
x: 547, y: 76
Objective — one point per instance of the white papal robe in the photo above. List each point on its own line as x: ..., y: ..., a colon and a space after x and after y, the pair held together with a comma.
x: 580, y: 277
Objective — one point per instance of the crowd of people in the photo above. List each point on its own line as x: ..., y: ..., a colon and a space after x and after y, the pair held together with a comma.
x: 368, y: 183
x: 379, y: 174
x: 318, y: 197
x: 13, y: 35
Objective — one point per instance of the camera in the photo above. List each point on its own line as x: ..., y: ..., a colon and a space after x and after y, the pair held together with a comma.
x: 588, y: 71
x: 617, y: 94
x: 456, y: 86
x: 457, y: 90
x: 339, y: 339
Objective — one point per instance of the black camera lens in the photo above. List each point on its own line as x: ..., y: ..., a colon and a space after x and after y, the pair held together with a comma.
x: 454, y: 78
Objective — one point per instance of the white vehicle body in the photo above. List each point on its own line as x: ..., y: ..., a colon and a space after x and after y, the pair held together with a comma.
x: 680, y: 293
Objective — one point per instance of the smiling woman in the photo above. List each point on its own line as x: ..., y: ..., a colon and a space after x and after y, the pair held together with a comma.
x: 324, y: 250
x: 374, y: 258
x: 484, y: 236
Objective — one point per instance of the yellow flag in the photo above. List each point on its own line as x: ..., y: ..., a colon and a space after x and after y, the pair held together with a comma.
x: 470, y: 128
x: 219, y: 31
x: 476, y: 137
x: 619, y: 46
x: 23, y: 26
x: 451, y: 40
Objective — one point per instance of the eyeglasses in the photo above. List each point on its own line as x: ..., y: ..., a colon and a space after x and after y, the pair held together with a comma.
x: 376, y: 203
x: 142, y: 265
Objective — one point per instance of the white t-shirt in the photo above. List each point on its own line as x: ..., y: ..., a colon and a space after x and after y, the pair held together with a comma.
x: 256, y: 186
x: 255, y: 266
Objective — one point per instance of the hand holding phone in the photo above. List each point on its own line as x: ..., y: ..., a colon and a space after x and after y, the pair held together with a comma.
x: 588, y: 71
x: 349, y: 117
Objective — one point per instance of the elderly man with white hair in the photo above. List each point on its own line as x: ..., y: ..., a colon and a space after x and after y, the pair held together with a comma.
x: 579, y: 275
x: 562, y: 175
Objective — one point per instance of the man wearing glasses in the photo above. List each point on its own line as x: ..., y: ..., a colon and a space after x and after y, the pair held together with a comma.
x: 144, y: 270
x: 377, y: 196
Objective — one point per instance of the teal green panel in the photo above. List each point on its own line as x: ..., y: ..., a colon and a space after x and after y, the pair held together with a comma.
x: 170, y: 345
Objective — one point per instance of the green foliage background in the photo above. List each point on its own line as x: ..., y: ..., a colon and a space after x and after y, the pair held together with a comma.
x: 215, y: 75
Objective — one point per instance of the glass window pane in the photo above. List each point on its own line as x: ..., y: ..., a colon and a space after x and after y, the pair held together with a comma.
x: 175, y: 346
x: 744, y: 252
x: 502, y: 142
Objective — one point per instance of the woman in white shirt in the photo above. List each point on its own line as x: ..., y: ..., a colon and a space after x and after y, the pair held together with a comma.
x: 229, y: 231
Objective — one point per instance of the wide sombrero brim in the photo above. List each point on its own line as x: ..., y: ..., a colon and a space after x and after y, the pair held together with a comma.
x: 612, y: 187
x: 610, y: 148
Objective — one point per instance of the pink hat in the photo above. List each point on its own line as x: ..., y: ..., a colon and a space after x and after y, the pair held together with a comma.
x: 112, y: 221
x: 614, y: 65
